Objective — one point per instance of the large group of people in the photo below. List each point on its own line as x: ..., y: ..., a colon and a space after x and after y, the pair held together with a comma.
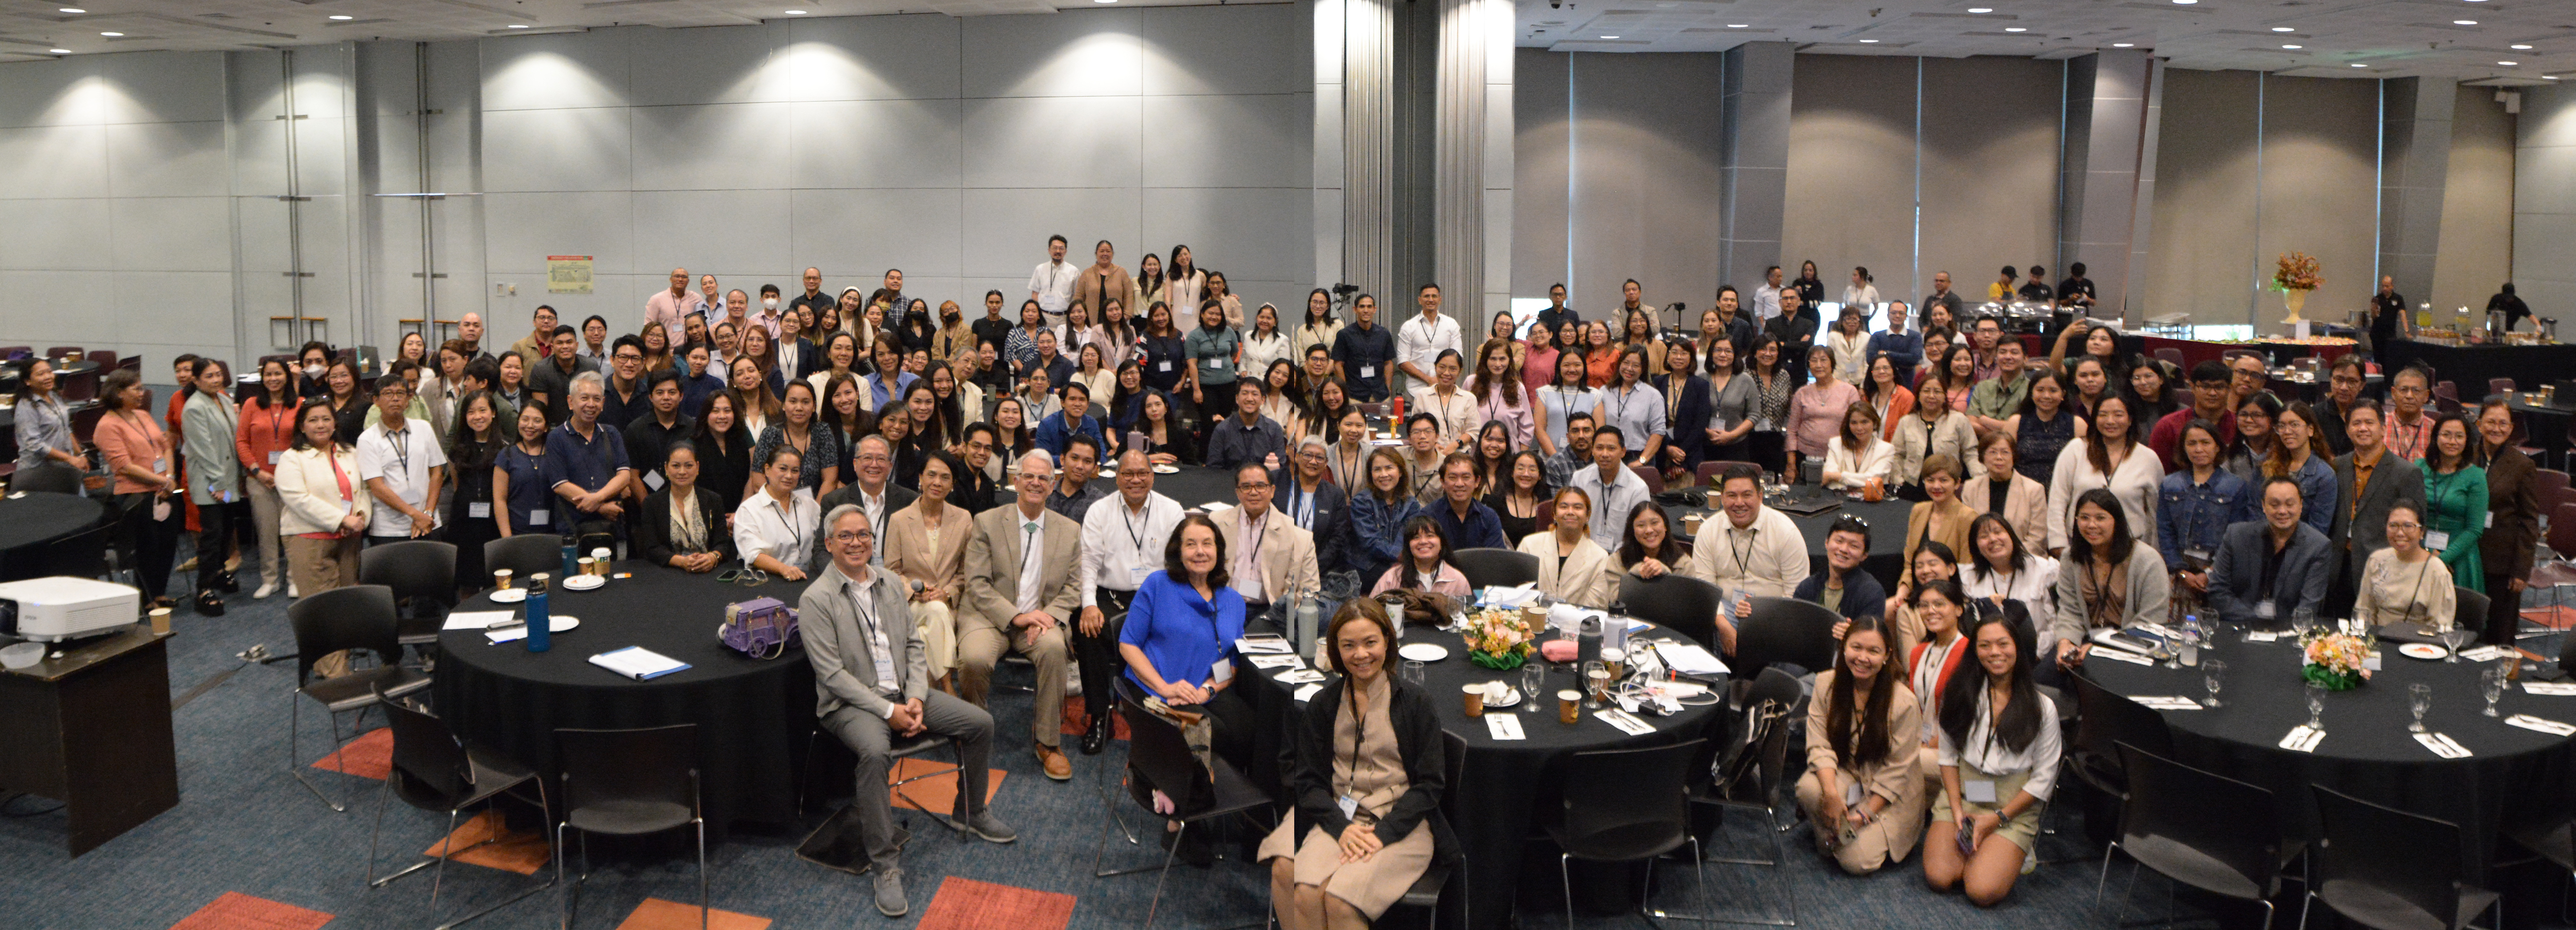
x: 918, y: 465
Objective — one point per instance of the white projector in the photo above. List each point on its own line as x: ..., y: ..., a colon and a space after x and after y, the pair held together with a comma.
x: 61, y: 608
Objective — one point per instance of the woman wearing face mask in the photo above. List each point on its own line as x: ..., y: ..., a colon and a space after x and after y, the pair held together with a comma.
x: 1861, y: 789
x: 1367, y: 777
x: 1999, y: 752
x: 311, y: 363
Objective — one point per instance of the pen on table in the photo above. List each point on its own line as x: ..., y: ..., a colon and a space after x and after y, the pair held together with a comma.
x: 507, y: 625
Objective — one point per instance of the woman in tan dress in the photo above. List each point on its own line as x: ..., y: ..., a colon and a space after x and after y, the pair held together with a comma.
x: 926, y: 542
x: 1371, y: 743
x: 1861, y: 778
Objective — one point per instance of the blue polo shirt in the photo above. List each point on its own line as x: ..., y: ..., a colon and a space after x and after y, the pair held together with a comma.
x: 1482, y: 529
x: 587, y: 463
x: 1183, y: 634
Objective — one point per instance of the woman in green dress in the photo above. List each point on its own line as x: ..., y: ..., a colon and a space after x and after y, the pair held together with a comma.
x: 2455, y: 499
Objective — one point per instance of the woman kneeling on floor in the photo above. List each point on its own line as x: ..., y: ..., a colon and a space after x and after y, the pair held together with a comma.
x: 1861, y: 788
x: 1999, y: 747
x: 1367, y: 781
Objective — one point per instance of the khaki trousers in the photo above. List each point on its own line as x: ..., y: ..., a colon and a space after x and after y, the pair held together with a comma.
x: 264, y: 507
x: 979, y: 645
x: 938, y: 627
x: 318, y: 565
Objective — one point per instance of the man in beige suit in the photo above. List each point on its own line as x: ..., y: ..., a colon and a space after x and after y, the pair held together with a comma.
x: 1278, y: 559
x: 1018, y: 599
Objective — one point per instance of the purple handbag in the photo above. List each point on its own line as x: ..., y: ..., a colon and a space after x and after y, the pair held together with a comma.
x: 762, y: 628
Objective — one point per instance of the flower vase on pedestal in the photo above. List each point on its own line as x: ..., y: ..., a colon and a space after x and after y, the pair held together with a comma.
x: 2294, y: 299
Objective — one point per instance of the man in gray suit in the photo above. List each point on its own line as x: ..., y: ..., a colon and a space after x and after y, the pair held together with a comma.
x: 2372, y: 481
x: 2268, y: 569
x: 1020, y: 593
x: 872, y: 682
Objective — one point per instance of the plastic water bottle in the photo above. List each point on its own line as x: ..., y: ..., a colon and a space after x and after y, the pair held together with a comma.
x: 540, y: 629
x: 2191, y: 637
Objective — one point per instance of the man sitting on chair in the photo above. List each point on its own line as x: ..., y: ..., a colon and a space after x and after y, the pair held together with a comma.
x: 1275, y: 560
x: 1020, y: 593
x: 872, y: 686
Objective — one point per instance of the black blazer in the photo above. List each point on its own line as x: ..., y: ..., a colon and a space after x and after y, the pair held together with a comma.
x: 1689, y: 422
x: 1332, y: 510
x: 1417, y: 737
x: 653, y: 526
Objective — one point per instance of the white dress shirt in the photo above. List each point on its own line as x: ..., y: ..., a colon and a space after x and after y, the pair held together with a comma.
x: 404, y: 461
x: 1988, y: 754
x: 1420, y: 342
x: 1457, y: 414
x: 1766, y: 559
x: 1766, y: 302
x: 875, y: 509
x: 1121, y: 547
x: 1053, y: 283
x: 1032, y: 558
x: 782, y: 530
x: 862, y: 593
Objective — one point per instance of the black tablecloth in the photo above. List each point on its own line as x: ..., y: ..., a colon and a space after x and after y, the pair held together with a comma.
x: 2469, y: 367
x: 1504, y: 781
x: 36, y: 518
x: 752, y: 715
x: 2367, y: 752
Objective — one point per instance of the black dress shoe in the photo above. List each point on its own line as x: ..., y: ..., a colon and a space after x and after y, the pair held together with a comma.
x: 1096, y: 736
x: 227, y: 584
x: 209, y: 604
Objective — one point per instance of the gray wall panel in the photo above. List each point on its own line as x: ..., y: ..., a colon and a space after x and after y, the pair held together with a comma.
x: 2203, y: 242
x: 1990, y: 143
x: 1851, y: 166
x: 2477, y: 203
x: 2320, y: 165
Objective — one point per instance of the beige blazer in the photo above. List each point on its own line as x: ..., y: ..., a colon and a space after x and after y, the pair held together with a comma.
x: 993, y: 568
x: 2026, y: 509
x: 1287, y: 553
x: 908, y: 551
x: 1590, y: 577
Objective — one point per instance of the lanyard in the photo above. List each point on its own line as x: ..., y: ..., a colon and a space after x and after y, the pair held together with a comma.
x: 1136, y: 532
x: 400, y: 440
x: 1743, y: 549
x: 786, y: 511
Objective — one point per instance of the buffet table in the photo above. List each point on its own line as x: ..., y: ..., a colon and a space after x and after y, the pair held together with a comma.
x: 2470, y: 367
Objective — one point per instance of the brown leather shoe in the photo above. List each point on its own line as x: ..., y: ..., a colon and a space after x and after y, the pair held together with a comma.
x: 1057, y: 766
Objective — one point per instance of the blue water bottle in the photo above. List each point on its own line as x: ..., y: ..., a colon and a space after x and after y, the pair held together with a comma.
x: 570, y: 554
x: 540, y: 629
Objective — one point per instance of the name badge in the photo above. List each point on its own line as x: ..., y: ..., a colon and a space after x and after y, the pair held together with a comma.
x: 1164, y: 366
x: 537, y: 518
x: 2437, y: 540
x: 1350, y: 805
x: 1368, y: 371
x: 2198, y: 555
x: 652, y: 481
x: 273, y: 457
x: 1851, y: 794
x: 1216, y: 363
x: 1977, y: 791
x: 160, y: 464
x: 1140, y: 573
x: 478, y: 509
x: 2263, y: 609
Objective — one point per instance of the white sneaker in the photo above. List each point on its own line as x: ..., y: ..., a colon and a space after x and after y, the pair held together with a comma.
x: 265, y: 589
x: 290, y: 589
x: 2030, y: 859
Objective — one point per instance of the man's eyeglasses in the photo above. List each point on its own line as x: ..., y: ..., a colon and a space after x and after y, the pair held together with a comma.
x: 853, y: 537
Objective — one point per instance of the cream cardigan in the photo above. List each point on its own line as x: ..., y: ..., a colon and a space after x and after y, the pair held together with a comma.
x: 309, y: 494
x: 1590, y: 578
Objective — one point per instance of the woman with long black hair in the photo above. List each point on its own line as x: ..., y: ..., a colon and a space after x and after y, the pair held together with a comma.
x: 1999, y: 749
x: 1861, y: 790
x: 474, y: 443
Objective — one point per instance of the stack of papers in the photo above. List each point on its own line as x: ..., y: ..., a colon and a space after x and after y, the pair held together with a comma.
x: 2442, y: 745
x: 2302, y: 739
x: 1276, y: 660
x: 2167, y: 702
x: 2120, y: 655
x: 1256, y: 645
x: 1690, y: 659
x: 1496, y: 596
x: 1307, y: 691
x: 2551, y: 727
x: 2483, y: 653
x: 638, y: 663
x: 1626, y: 722
x: 2558, y: 688
x: 1504, y: 726
x: 478, y: 619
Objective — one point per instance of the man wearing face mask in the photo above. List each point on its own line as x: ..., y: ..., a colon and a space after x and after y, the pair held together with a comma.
x: 767, y: 317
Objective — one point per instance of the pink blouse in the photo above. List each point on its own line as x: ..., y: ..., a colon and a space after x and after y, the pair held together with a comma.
x: 1538, y: 366
x: 135, y: 439
x: 1816, y: 414
x: 1515, y: 417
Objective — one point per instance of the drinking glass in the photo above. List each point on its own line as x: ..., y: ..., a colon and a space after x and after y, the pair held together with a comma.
x: 2316, y: 707
x: 1412, y: 671
x: 2302, y: 620
x: 1594, y: 676
x: 1533, y: 677
x: 2419, y: 698
x: 2493, y: 682
x: 2212, y: 675
x: 2454, y: 637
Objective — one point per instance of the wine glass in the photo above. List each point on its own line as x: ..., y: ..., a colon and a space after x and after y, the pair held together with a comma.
x: 2212, y: 673
x: 2316, y: 706
x: 1533, y: 677
x: 2492, y: 683
x: 2454, y: 636
x: 2419, y: 698
x: 2303, y: 620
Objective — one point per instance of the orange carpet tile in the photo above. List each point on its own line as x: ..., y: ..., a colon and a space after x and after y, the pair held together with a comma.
x: 657, y: 914
x: 1078, y: 719
x: 966, y: 904
x: 937, y: 793
x: 521, y: 851
x: 237, y: 911
x: 371, y: 755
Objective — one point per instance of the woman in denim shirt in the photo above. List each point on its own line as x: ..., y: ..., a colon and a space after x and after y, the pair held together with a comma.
x: 1379, y: 511
x: 2194, y: 507
x: 44, y: 422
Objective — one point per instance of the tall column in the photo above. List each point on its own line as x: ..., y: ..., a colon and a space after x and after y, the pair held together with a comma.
x: 1355, y: 83
x: 2417, y: 139
x: 1472, y: 119
x: 2098, y: 169
x: 1755, y: 172
x: 2133, y: 291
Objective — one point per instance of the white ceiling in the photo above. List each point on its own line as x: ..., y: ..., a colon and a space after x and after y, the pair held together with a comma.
x: 2393, y: 38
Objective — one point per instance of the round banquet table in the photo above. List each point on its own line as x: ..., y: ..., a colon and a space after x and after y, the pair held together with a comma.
x: 1504, y: 781
x: 2367, y: 752
x: 36, y: 518
x: 752, y: 715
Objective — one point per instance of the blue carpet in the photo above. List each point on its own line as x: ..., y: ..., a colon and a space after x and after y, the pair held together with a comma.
x: 244, y: 825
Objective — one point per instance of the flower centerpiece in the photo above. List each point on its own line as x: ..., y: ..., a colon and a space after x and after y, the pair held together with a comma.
x: 1498, y: 639
x: 2294, y: 276
x: 2335, y: 660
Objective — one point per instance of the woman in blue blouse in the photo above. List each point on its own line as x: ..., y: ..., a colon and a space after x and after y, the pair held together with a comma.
x: 524, y: 498
x: 1378, y: 511
x: 1178, y: 638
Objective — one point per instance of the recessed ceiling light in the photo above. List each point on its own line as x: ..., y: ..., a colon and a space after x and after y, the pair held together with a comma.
x: 2509, y: 64
x: 2015, y: 29
x: 2359, y: 65
x: 2283, y: 29
x: 65, y: 51
x: 1609, y: 37
x: 74, y: 9
x: 2294, y: 46
x: 2124, y: 45
x: 517, y: 26
x: 1869, y: 41
x: 2186, y: 2
x: 796, y: 12
x: 2464, y: 22
x: 1736, y: 25
x: 341, y: 16
x: 2549, y: 77
x: 111, y: 34
x: 2521, y: 48
x: 1981, y: 9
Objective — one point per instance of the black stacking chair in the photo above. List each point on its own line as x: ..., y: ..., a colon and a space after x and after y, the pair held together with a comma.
x: 2104, y: 721
x: 2199, y: 829
x: 434, y: 772
x: 525, y: 554
x: 358, y: 617
x: 1757, y: 785
x: 2385, y: 868
x: 421, y: 571
x: 2472, y: 612
x: 628, y: 783
x: 1159, y: 759
x: 1496, y: 567
x: 1679, y: 603
x: 51, y: 477
x: 898, y: 748
x: 1784, y: 629
x: 1623, y: 805
x: 2551, y: 841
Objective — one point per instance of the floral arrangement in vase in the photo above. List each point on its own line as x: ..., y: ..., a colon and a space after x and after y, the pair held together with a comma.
x: 1498, y: 639
x: 2336, y: 661
x: 2295, y: 275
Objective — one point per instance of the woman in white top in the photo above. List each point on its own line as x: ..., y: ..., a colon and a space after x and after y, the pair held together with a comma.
x: 1564, y: 394
x: 2406, y: 583
x: 1320, y: 328
x: 1093, y: 374
x: 2109, y: 457
x: 1634, y: 406
x: 1571, y: 567
x: 1861, y: 292
x: 1454, y: 409
x: 2002, y: 569
x: 1185, y: 286
x: 1932, y: 428
x: 1266, y: 343
x: 1857, y: 454
x: 1279, y: 402
x: 1037, y: 397
x: 774, y: 528
x: 1115, y: 336
x: 323, y: 506
x: 1849, y: 341
x: 1999, y: 748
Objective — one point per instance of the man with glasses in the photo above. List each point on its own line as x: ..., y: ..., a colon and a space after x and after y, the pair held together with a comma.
x: 872, y: 685
x: 1468, y: 524
x: 1307, y: 494
x: 873, y: 459
x: 400, y: 465
x: 1073, y: 494
x: 1270, y: 557
x: 1123, y: 542
x: 2344, y: 382
x: 2371, y: 480
x: 1021, y: 593
x: 2247, y: 376
x: 541, y: 339
x: 625, y: 398
x: 586, y: 461
x: 2410, y: 432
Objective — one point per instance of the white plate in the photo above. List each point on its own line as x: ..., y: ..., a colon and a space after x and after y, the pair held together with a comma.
x: 583, y: 582
x: 1511, y: 698
x: 2426, y: 651
x: 509, y: 595
x: 1423, y: 652
x: 1167, y: 469
x: 1109, y: 473
x: 557, y: 623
